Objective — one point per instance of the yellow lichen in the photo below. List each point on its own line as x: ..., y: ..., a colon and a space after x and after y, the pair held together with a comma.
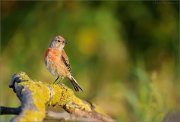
x: 66, y: 95
x: 40, y: 95
x: 57, y: 94
x: 51, y: 94
x: 24, y: 76
x: 31, y: 116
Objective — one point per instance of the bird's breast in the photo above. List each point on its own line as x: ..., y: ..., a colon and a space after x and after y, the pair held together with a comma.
x: 51, y: 52
x: 51, y: 60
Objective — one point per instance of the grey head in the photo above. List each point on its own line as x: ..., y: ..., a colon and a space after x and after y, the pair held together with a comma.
x: 58, y: 42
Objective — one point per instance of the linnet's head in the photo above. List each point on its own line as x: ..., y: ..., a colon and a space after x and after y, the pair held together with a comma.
x: 58, y: 42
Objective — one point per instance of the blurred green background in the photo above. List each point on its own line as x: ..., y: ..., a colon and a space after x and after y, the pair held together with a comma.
x: 124, y: 54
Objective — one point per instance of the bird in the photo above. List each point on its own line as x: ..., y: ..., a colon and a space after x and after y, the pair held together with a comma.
x: 57, y: 62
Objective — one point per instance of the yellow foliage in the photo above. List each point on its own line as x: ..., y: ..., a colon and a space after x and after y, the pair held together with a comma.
x: 87, y: 41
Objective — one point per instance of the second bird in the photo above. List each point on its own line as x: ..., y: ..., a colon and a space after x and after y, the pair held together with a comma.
x: 57, y: 61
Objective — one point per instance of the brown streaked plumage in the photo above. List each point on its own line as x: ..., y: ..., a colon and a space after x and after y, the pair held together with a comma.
x: 57, y: 61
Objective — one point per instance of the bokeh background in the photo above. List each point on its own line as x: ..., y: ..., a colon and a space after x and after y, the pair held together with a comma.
x: 124, y: 54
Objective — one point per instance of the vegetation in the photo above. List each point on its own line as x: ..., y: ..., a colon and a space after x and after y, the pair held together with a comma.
x: 125, y: 55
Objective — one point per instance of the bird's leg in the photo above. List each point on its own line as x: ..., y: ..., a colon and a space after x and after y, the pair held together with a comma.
x: 59, y: 77
x: 56, y: 79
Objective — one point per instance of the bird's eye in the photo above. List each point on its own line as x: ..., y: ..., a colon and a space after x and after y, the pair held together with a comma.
x: 58, y: 40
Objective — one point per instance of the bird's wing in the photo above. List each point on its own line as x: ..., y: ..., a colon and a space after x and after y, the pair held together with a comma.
x: 66, y: 61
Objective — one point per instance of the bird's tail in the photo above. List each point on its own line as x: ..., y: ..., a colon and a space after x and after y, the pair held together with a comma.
x: 75, y: 84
